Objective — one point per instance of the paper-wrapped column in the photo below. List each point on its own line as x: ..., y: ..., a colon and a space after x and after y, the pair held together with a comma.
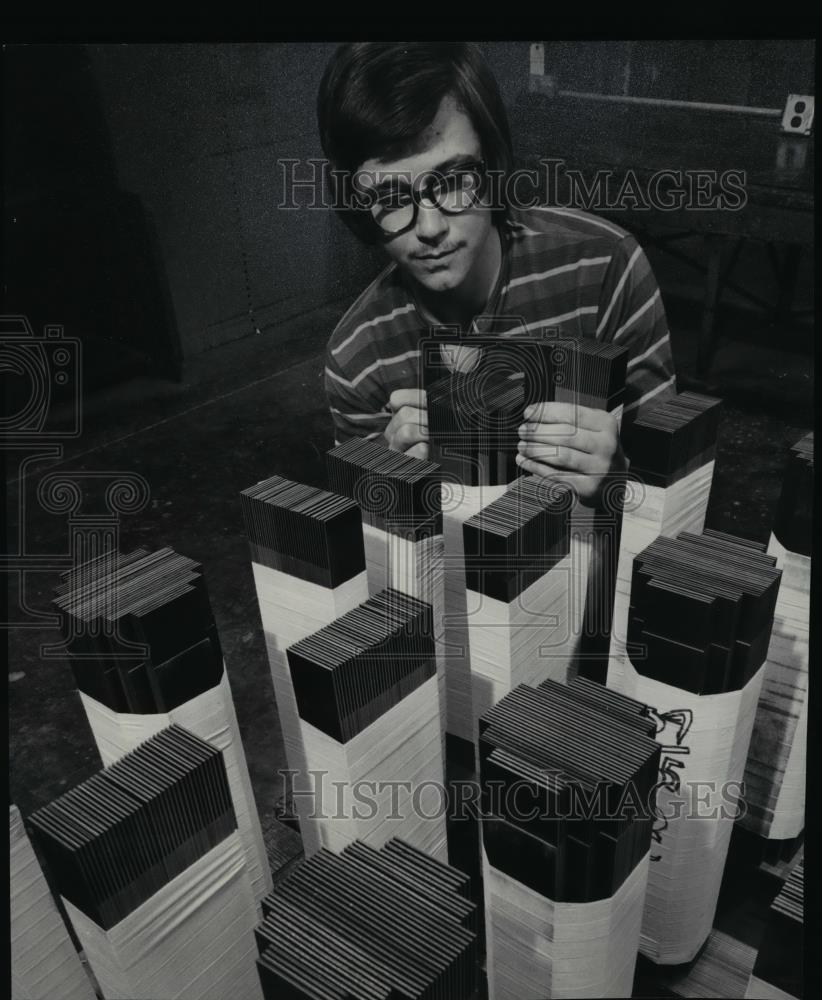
x: 44, y: 961
x: 519, y: 590
x: 568, y: 774
x: 149, y: 865
x: 313, y: 607
x: 465, y: 502
x: 387, y: 781
x: 367, y: 698
x: 414, y: 567
x: 671, y: 444
x: 212, y: 717
x: 174, y: 672
x: 775, y: 774
x: 309, y: 568
x: 700, y: 621
x: 540, y: 948
x: 193, y: 939
x: 704, y: 741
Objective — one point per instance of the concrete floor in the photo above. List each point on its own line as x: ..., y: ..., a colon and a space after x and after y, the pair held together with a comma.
x: 254, y: 408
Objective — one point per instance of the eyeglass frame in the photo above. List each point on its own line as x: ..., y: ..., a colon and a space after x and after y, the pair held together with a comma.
x: 422, y: 191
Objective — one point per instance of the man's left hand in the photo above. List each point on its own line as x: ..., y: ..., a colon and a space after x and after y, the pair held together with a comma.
x: 574, y: 444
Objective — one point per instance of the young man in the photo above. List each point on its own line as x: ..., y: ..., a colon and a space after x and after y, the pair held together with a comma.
x: 420, y: 131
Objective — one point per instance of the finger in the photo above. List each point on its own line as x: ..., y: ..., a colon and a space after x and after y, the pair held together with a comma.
x: 568, y: 413
x: 583, y: 487
x: 408, y: 435
x: 407, y: 397
x: 408, y: 415
x: 563, y: 458
x: 391, y: 429
x: 405, y: 415
x: 419, y: 450
x: 561, y: 434
x: 413, y: 415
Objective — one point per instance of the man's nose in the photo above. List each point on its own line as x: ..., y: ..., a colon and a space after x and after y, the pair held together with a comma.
x: 431, y: 222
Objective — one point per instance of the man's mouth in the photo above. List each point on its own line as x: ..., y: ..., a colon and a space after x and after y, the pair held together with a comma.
x: 436, y: 256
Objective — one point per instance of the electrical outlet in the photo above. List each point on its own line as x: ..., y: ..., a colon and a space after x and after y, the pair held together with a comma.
x: 798, y: 114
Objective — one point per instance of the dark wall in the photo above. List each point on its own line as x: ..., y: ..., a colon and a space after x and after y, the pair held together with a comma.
x: 79, y: 251
x: 751, y: 72
x: 197, y: 132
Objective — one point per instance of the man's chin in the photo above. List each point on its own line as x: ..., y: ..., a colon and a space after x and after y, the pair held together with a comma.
x: 439, y: 281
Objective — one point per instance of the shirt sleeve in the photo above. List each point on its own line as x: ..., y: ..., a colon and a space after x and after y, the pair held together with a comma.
x: 632, y: 315
x: 353, y: 413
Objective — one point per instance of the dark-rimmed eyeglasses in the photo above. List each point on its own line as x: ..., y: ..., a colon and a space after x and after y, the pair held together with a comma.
x: 453, y: 191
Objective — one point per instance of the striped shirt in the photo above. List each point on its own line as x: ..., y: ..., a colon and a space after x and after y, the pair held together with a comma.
x: 562, y: 269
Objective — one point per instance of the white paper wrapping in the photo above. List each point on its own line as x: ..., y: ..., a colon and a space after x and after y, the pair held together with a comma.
x: 194, y: 939
x: 457, y: 509
x: 758, y: 989
x: 416, y: 569
x: 210, y: 716
x: 775, y: 772
x: 402, y: 746
x: 44, y: 962
x: 524, y: 642
x: 537, y: 948
x: 292, y: 609
x: 582, y: 545
x: 704, y: 742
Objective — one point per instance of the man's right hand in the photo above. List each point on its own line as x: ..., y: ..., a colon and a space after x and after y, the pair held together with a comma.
x: 407, y: 430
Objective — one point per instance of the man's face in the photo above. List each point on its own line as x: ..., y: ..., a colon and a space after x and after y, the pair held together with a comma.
x: 440, y: 251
